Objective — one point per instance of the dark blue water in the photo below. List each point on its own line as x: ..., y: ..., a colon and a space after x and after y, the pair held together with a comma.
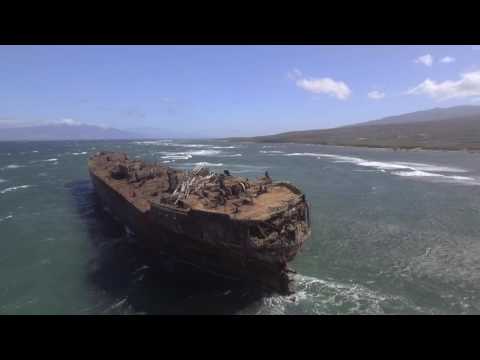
x: 393, y: 232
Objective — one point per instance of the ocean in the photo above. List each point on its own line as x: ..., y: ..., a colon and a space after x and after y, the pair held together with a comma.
x: 393, y: 232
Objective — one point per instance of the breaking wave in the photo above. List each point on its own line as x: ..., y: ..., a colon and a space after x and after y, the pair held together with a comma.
x: 271, y: 151
x: 330, y: 297
x: 225, y: 147
x: 188, y: 145
x: 152, y: 142
x: 50, y: 160
x: 185, y: 155
x: 420, y: 173
x: 12, y: 166
x: 204, y: 163
x: 406, y: 169
x: 205, y: 152
x: 13, y: 188
x: 176, y: 156
x: 80, y: 153
x: 6, y: 218
x: 231, y: 155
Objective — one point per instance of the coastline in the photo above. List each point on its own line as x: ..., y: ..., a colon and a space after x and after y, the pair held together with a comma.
x: 393, y: 148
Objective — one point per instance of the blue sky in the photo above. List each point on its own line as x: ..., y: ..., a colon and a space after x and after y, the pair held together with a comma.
x: 231, y: 90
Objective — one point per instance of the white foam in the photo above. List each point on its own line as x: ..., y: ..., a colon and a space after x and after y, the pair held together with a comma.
x: 13, y: 188
x: 205, y: 152
x: 184, y: 155
x: 50, y: 160
x: 6, y: 218
x: 430, y: 167
x: 419, y: 173
x: 204, y: 163
x: 155, y: 142
x: 225, y: 147
x: 407, y: 169
x: 167, y: 161
x: 176, y: 155
x: 271, y: 151
x: 189, y: 145
x: 331, y: 297
x: 231, y: 155
x: 80, y: 153
x: 13, y: 166
x: 35, y: 151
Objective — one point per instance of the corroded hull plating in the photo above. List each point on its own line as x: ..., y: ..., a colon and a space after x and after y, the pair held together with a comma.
x: 215, y: 242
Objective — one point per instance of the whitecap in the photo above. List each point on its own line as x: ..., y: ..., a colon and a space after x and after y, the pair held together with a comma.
x: 187, y: 154
x: 225, y: 147
x: 35, y: 151
x: 455, y: 178
x: 407, y: 169
x: 175, y: 155
x: 80, y: 153
x: 13, y: 166
x: 189, y: 145
x: 152, y: 142
x: 231, y: 155
x: 271, y: 151
x: 205, y: 152
x: 204, y: 163
x: 6, y: 218
x: 13, y: 188
x: 50, y: 160
x: 331, y: 297
x: 430, y: 167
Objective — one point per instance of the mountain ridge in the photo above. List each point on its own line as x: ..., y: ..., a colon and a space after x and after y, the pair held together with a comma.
x: 64, y: 132
x: 454, y: 128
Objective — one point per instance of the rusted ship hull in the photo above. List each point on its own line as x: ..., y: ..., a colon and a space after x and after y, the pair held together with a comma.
x: 212, y: 242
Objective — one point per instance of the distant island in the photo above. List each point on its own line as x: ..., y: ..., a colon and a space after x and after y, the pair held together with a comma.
x: 454, y: 128
x: 63, y: 132
x: 79, y: 131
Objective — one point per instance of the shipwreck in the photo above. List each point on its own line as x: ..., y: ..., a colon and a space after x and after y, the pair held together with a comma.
x: 230, y: 226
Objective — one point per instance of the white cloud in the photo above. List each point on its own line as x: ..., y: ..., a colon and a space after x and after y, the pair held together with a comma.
x: 376, y: 95
x: 447, y: 60
x: 426, y: 60
x: 328, y: 86
x: 294, y: 74
x: 338, y: 89
x: 468, y: 85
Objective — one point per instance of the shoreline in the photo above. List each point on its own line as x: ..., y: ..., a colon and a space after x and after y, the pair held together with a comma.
x: 392, y: 148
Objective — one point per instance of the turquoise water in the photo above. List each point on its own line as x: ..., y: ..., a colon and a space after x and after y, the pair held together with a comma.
x: 393, y: 232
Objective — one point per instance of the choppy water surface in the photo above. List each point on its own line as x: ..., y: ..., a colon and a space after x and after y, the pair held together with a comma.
x: 393, y: 232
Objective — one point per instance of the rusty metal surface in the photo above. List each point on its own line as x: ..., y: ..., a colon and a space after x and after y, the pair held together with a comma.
x: 225, y: 224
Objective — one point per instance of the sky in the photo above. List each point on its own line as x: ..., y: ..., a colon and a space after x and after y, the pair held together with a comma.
x: 215, y: 91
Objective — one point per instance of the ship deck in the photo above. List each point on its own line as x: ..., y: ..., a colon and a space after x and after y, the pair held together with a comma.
x: 143, y: 193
